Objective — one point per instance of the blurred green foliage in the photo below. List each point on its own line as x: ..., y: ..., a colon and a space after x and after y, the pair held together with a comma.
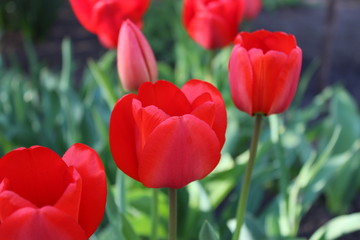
x: 306, y: 156
x: 274, y: 4
x: 33, y: 19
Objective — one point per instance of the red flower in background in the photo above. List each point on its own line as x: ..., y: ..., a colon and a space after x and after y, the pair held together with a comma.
x: 135, y: 59
x: 252, y: 9
x: 212, y: 23
x: 44, y: 196
x: 166, y: 136
x: 104, y: 17
x: 264, y: 71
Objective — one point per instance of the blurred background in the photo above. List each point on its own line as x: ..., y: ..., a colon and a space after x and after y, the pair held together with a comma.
x: 45, y: 24
x: 54, y: 91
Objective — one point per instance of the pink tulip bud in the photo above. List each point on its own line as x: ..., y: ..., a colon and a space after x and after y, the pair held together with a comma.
x: 135, y: 60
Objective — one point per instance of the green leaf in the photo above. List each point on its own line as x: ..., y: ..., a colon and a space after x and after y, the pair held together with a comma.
x: 344, y: 113
x: 65, y: 77
x: 127, y: 229
x: 104, y: 82
x: 207, y: 232
x: 338, y: 227
x: 304, y: 82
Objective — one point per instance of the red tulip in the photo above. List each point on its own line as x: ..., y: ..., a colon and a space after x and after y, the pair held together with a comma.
x: 44, y: 196
x: 166, y: 136
x: 104, y: 17
x: 264, y: 71
x: 252, y: 9
x: 212, y: 23
x: 135, y: 59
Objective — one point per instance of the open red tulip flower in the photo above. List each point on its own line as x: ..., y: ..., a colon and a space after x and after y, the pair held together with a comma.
x: 212, y: 23
x: 166, y: 136
x: 104, y: 17
x: 252, y: 9
x: 135, y: 59
x: 44, y: 196
x: 264, y: 70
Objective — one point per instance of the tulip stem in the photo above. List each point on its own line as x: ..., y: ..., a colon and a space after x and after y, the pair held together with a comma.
x: 240, y: 214
x: 154, y: 214
x: 172, y: 214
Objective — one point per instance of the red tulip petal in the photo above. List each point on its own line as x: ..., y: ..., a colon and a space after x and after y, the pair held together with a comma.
x: 93, y: 196
x: 231, y: 11
x: 147, y: 119
x: 46, y: 223
x: 122, y: 136
x: 10, y: 202
x: 108, y: 19
x: 195, y: 88
x: 69, y: 202
x: 266, y: 69
x: 287, y: 82
x: 212, y: 24
x: 4, y: 184
x: 165, y: 96
x: 109, y: 15
x: 189, y: 12
x: 200, y: 100
x: 133, y: 10
x: 205, y: 112
x: 180, y: 150
x: 210, y: 31
x: 83, y: 11
x: 37, y: 174
x: 252, y: 9
x: 241, y: 79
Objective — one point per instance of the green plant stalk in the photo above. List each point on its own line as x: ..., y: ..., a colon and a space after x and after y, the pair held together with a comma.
x: 172, y: 214
x: 275, y: 125
x: 120, y: 183
x: 209, y: 75
x: 154, y: 214
x: 240, y: 214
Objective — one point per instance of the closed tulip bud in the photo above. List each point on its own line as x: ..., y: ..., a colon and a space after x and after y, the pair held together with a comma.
x: 105, y: 17
x: 252, y: 9
x: 264, y: 71
x: 135, y: 59
x: 212, y: 23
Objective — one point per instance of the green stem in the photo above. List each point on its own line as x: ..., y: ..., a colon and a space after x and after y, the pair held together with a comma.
x: 209, y: 70
x: 121, y: 191
x: 172, y: 214
x: 154, y: 214
x: 240, y: 214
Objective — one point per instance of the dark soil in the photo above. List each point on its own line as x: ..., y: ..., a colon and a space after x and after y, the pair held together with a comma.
x: 306, y: 22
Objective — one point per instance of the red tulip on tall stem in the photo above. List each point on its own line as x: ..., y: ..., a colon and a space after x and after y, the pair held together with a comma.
x: 264, y: 70
x: 166, y: 137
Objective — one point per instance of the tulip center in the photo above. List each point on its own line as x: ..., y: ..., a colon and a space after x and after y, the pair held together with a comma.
x: 267, y: 41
